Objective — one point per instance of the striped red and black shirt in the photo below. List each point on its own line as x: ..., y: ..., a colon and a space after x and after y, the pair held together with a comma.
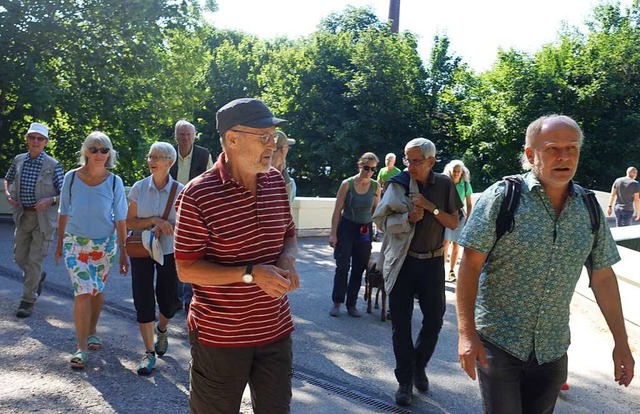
x: 221, y: 221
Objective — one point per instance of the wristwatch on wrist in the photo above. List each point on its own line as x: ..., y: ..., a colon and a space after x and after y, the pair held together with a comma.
x: 248, y: 277
x: 436, y: 211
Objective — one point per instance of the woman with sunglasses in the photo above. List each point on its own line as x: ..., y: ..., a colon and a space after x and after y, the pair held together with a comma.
x: 148, y: 199
x: 91, y: 222
x: 351, y: 233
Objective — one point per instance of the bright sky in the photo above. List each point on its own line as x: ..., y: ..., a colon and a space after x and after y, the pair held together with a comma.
x: 475, y: 28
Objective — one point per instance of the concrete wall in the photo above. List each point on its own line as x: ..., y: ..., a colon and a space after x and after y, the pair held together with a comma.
x: 313, y: 214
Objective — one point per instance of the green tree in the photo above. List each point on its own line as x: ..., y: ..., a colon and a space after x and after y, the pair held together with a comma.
x: 80, y: 66
x: 351, y: 87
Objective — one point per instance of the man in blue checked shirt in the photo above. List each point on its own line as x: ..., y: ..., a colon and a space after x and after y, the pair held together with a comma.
x: 32, y: 186
x: 513, y: 295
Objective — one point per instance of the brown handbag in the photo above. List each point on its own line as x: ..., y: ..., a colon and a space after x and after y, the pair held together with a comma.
x: 134, y: 245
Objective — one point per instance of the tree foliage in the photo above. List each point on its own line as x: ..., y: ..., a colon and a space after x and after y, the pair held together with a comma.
x: 81, y: 66
x: 133, y: 68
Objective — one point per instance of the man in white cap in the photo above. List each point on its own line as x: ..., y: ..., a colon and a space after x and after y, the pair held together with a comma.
x: 279, y: 162
x: 32, y: 186
x: 235, y: 242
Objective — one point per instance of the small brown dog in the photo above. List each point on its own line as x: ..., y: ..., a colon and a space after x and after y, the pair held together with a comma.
x: 373, y: 280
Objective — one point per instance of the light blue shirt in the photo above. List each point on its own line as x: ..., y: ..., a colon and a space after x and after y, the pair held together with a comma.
x: 152, y: 201
x: 92, y: 210
x: 528, y: 280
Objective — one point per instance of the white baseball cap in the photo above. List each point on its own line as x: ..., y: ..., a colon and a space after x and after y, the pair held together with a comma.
x: 38, y: 129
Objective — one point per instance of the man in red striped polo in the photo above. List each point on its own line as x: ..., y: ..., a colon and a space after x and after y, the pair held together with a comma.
x: 235, y: 243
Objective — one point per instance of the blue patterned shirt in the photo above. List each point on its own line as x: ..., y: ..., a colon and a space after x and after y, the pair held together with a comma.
x: 527, y: 283
x: 30, y: 172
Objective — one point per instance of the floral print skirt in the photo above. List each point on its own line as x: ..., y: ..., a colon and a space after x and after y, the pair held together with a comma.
x: 88, y: 262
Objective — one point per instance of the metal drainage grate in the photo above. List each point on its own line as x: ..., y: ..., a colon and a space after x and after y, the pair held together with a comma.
x: 361, y: 398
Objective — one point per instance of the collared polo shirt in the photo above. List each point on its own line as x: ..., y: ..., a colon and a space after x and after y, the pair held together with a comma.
x: 221, y: 221
x: 151, y: 202
x: 527, y: 283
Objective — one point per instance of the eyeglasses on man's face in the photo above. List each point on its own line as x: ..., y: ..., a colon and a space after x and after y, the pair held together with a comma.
x: 417, y: 162
x: 156, y: 157
x: 38, y: 138
x: 95, y: 150
x: 369, y: 169
x: 264, y: 138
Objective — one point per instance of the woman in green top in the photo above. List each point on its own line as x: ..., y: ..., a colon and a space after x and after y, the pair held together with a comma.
x: 460, y: 176
x: 351, y: 232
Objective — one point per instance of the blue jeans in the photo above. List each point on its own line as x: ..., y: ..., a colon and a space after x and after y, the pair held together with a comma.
x: 518, y: 387
x: 184, y: 292
x: 425, y: 278
x: 623, y: 217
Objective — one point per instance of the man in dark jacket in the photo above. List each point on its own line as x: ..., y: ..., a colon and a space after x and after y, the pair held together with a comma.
x: 192, y: 161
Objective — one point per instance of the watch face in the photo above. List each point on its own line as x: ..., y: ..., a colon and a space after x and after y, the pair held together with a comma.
x: 436, y: 211
x: 247, y: 278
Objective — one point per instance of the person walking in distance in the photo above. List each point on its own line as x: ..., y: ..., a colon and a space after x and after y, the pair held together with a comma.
x: 626, y: 193
x: 352, y: 233
x: 192, y: 161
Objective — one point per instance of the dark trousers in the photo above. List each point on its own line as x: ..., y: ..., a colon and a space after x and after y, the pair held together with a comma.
x: 352, y: 250
x: 519, y: 387
x: 424, y: 278
x: 623, y: 217
x: 218, y: 377
x: 144, y: 293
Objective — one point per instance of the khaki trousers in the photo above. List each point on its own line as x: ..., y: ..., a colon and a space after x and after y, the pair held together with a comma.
x: 30, y: 248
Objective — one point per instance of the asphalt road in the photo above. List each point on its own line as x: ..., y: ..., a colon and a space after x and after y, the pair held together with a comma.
x: 342, y: 365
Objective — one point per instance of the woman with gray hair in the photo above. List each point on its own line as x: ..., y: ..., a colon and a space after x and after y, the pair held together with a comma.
x: 91, y: 221
x: 148, y: 199
x: 456, y: 170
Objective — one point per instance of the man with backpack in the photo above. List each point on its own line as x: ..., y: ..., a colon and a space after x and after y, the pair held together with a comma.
x: 516, y: 281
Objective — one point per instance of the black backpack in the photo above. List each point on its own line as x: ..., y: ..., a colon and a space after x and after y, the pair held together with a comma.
x: 505, y: 221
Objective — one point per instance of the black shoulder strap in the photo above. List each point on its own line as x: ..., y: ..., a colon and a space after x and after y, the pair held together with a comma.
x: 73, y: 177
x: 506, y: 216
x: 591, y: 202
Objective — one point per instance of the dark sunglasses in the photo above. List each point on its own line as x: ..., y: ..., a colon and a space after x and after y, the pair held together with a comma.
x: 95, y: 150
x: 367, y: 168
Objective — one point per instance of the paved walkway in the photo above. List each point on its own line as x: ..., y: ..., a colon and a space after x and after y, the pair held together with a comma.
x: 342, y: 365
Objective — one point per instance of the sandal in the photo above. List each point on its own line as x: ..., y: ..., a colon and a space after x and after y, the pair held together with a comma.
x: 94, y: 343
x: 78, y: 360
